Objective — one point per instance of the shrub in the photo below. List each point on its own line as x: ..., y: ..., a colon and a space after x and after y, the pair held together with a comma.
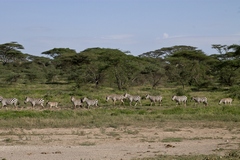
x: 234, y: 92
x: 180, y: 92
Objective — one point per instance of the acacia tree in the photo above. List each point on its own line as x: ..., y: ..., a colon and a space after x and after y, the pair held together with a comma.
x: 9, y: 52
x: 222, y: 49
x: 227, y: 68
x: 119, y: 68
x: 93, y: 68
x: 61, y: 63
x: 110, y: 66
x: 188, y: 67
x: 167, y: 51
x: 175, y: 65
x: 62, y: 57
x: 59, y: 52
x: 236, y: 51
x: 154, y: 71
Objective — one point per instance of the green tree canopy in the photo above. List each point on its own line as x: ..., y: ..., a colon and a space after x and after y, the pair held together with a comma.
x: 188, y: 67
x: 60, y: 52
x: 9, y: 52
x: 167, y: 51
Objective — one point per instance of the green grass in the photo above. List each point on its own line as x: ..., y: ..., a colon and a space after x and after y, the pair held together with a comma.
x: 108, y: 115
x: 172, y: 139
x: 114, y: 117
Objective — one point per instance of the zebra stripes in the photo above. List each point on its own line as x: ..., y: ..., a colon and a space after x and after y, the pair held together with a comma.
x: 34, y: 101
x: 180, y: 99
x: 90, y: 102
x: 200, y: 100
x: 133, y: 98
x: 154, y: 99
x: 115, y: 97
x: 9, y: 101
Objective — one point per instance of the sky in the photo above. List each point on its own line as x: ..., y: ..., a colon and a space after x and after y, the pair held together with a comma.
x: 137, y: 26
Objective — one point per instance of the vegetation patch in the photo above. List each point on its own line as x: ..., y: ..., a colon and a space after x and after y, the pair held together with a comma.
x: 102, y: 117
x: 87, y: 143
x: 172, y: 139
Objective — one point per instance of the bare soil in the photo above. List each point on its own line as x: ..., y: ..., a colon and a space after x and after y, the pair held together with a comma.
x: 123, y: 143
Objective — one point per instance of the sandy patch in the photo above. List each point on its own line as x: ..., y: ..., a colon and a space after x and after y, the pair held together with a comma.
x: 109, y: 143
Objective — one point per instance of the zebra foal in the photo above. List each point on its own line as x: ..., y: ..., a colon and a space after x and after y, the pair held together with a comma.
x: 76, y: 102
x: 34, y: 101
x: 52, y: 104
x: 226, y: 101
x: 90, y: 102
x: 154, y: 99
x: 180, y: 99
x: 115, y: 97
x: 9, y: 101
x: 200, y: 100
x: 133, y: 98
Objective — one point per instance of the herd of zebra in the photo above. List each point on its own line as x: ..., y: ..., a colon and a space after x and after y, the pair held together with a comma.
x: 114, y: 97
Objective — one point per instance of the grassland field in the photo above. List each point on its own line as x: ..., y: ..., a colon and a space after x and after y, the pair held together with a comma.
x: 109, y: 116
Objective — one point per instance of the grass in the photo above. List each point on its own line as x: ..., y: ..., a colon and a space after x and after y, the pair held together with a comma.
x: 108, y: 115
x: 115, y: 117
x: 172, y: 139
x: 87, y: 143
x: 233, y: 155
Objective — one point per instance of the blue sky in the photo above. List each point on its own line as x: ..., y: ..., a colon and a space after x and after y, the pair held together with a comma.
x: 137, y: 26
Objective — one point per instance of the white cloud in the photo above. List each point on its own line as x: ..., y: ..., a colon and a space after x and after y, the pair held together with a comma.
x: 165, y: 35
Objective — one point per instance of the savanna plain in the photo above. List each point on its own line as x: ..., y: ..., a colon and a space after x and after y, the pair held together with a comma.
x: 122, y: 132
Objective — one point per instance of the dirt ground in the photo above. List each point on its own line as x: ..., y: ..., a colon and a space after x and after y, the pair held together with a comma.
x: 123, y: 143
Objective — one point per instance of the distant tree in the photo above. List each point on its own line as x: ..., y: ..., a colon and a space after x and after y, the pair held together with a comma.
x: 63, y: 62
x: 52, y: 75
x: 12, y: 78
x: 9, y: 52
x: 236, y: 50
x: 188, y: 67
x: 167, y: 51
x: 42, y: 61
x: 227, y: 68
x: 175, y: 61
x: 110, y: 67
x: 59, y: 52
x: 154, y: 71
x: 222, y: 49
x: 93, y: 68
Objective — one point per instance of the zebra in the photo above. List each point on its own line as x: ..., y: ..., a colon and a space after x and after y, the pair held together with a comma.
x: 9, y: 101
x: 226, y: 101
x: 133, y: 98
x: 76, y: 102
x: 34, y: 101
x: 52, y: 104
x: 200, y: 100
x: 90, y: 102
x: 115, y: 98
x: 154, y: 99
x: 180, y: 99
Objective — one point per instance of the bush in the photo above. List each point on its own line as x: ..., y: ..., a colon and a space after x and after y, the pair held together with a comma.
x: 234, y: 92
x: 180, y: 92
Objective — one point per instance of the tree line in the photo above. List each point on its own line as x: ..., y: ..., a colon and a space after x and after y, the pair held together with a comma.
x: 177, y: 65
